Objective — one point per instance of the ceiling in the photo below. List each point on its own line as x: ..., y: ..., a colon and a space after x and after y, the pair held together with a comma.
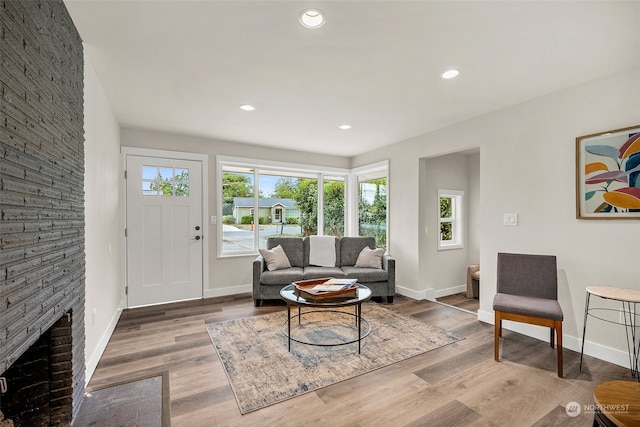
x: 186, y: 66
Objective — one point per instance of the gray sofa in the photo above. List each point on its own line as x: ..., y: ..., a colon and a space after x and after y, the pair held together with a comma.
x: 267, y: 284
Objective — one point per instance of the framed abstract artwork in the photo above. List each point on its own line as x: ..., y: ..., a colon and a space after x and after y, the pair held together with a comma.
x: 608, y: 175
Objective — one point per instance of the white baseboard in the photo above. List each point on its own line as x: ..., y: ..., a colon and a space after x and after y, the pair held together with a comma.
x: 450, y: 291
x: 91, y: 362
x: 417, y: 295
x: 430, y: 294
x: 599, y: 351
x: 230, y: 290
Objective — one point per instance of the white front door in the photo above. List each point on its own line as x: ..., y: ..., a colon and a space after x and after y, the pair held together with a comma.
x: 164, y: 235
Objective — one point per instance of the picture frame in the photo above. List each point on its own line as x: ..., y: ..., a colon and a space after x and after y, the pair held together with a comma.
x: 608, y: 174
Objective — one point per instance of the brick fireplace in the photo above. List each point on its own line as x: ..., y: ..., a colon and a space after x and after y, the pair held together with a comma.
x: 42, y: 259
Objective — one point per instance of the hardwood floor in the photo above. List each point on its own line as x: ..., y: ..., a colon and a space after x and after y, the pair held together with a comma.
x: 461, y: 301
x: 459, y: 384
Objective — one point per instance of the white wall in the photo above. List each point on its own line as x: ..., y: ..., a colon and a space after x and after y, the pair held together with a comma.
x: 527, y: 166
x: 444, y: 272
x: 103, y: 209
x: 230, y: 274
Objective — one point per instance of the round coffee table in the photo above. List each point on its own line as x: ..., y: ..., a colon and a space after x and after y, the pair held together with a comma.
x: 288, y: 294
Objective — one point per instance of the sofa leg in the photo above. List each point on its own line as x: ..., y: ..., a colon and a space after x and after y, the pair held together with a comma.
x: 256, y: 302
x: 390, y: 299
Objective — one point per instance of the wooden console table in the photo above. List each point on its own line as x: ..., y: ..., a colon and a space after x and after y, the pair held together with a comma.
x: 617, y: 403
x: 629, y: 299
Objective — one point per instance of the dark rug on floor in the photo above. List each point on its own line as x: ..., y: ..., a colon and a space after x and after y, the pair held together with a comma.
x: 142, y: 402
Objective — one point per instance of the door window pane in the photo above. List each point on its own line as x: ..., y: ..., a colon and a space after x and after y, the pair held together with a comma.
x: 164, y: 181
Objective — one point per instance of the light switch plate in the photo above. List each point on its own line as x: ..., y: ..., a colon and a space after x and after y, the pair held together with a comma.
x: 511, y: 219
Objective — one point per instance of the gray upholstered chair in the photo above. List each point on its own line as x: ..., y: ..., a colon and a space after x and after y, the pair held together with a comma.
x: 527, y: 291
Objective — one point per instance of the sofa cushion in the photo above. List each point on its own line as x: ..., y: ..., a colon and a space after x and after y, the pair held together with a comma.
x: 280, y: 277
x: 275, y: 258
x: 312, y: 272
x: 306, y: 244
x: 370, y: 258
x: 322, y: 251
x: 292, y: 246
x: 350, y: 248
x: 365, y: 275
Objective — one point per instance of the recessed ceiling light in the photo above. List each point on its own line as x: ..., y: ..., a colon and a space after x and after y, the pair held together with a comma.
x: 450, y: 74
x: 344, y: 127
x: 311, y: 18
x: 247, y: 107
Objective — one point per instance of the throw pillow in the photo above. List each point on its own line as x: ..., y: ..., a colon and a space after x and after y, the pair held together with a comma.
x: 275, y: 258
x: 370, y: 258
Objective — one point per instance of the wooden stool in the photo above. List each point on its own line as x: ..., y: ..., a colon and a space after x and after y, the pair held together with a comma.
x: 617, y: 404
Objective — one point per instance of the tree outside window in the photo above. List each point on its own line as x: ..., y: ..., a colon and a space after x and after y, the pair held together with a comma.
x: 450, y: 219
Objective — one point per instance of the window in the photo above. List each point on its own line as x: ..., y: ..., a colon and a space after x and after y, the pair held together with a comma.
x: 260, y: 199
x: 372, y: 203
x: 264, y: 199
x: 164, y: 181
x: 450, y: 219
x: 333, y: 212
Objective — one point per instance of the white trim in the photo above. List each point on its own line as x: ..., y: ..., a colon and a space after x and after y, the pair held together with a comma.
x: 230, y: 290
x: 427, y: 294
x: 91, y: 362
x: 599, y: 351
x: 439, y: 293
x: 178, y: 155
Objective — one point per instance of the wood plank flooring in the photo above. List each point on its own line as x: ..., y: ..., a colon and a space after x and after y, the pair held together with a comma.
x: 461, y: 301
x: 459, y: 384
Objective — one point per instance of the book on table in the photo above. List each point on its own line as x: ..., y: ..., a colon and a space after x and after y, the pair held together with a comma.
x: 326, y: 288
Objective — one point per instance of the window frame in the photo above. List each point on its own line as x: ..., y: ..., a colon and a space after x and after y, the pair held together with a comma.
x: 375, y: 171
x: 457, y: 220
x: 274, y: 166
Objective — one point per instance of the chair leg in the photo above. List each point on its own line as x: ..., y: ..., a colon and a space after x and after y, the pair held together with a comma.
x: 551, y: 336
x: 498, y: 333
x: 559, y: 339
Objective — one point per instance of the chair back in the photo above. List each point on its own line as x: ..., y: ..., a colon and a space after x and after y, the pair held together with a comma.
x: 527, y: 275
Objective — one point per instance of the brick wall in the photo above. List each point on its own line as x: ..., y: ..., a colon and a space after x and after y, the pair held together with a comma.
x: 42, y: 261
x: 41, y: 380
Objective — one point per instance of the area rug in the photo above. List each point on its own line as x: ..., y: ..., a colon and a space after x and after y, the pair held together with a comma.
x: 263, y: 372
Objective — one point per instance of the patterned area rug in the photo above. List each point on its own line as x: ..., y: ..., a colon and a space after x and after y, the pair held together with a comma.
x: 262, y: 371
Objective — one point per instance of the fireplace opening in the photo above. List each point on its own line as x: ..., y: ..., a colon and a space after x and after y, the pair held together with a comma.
x: 39, y: 384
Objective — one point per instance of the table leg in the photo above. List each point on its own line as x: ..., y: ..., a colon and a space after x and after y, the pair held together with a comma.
x: 299, y: 317
x: 289, y: 324
x: 584, y: 328
x: 359, y: 323
x: 630, y: 326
